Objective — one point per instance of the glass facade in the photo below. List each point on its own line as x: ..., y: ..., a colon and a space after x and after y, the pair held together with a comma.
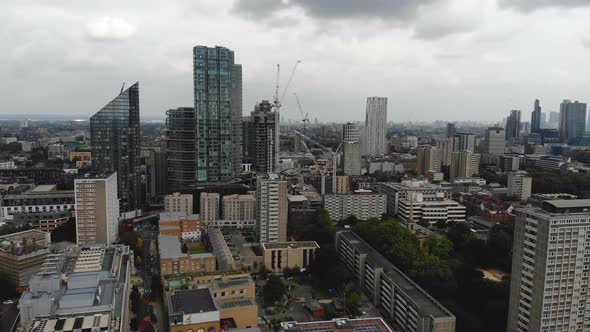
x: 218, y: 109
x: 115, y: 146
x: 180, y: 147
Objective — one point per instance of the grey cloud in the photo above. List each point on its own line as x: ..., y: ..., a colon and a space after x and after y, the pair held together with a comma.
x: 532, y: 5
x: 436, y: 30
x: 335, y: 9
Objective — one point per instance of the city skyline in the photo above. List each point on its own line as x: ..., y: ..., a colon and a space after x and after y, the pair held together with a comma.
x: 435, y: 54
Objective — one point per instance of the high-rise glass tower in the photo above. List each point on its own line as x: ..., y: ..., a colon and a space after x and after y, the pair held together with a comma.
x: 218, y: 108
x: 180, y: 147
x: 115, y: 147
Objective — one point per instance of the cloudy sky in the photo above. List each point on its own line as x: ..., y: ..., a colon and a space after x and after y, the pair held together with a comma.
x: 434, y: 59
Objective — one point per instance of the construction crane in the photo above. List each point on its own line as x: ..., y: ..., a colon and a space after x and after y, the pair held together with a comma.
x: 277, y: 101
x: 304, y: 118
x: 327, y: 150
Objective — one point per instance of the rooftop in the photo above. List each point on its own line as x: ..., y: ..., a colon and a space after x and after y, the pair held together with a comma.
x: 192, y: 301
x: 427, y: 305
x: 169, y: 247
x: 290, y: 245
x: 357, y: 325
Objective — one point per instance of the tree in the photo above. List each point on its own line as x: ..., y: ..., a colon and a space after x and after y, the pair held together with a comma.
x: 139, y: 243
x: 439, y: 246
x: 184, y: 248
x: 137, y: 261
x: 325, y: 219
x: 274, y: 290
x: 65, y: 232
x: 7, y: 287
x: 353, y: 300
x: 133, y: 324
x: 134, y: 298
x: 263, y: 272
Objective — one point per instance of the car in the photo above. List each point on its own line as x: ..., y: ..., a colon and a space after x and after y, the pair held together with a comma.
x: 8, y: 302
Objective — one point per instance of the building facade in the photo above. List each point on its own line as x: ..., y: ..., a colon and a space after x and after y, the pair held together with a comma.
x: 495, y: 141
x: 572, y: 120
x: 376, y: 126
x: 397, y: 191
x: 351, y: 158
x: 218, y: 108
x: 536, y: 118
x: 173, y: 261
x: 177, y: 202
x: 288, y: 255
x: 271, y: 209
x: 239, y: 207
x: 406, y: 305
x: 115, y: 146
x: 97, y: 210
x: 430, y: 212
x: 427, y: 159
x: 209, y: 206
x: 464, y: 164
x: 549, y: 276
x: 513, y: 125
x: 363, y: 204
x: 519, y: 185
x: 265, y: 129
x: 181, y: 147
x: 22, y: 254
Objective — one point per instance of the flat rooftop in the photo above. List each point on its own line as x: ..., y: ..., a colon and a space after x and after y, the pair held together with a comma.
x: 290, y: 245
x: 339, y: 324
x: 192, y: 301
x: 428, y: 306
x: 169, y: 247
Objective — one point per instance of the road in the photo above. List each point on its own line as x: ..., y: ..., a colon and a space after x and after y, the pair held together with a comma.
x: 149, y: 267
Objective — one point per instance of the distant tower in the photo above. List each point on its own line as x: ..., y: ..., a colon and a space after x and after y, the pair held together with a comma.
x: 513, y: 125
x: 376, y: 125
x: 451, y: 130
x: 536, y: 118
x: 572, y: 120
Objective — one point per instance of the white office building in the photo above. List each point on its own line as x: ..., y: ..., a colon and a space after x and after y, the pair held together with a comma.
x: 363, y: 204
x: 550, y: 268
x: 271, y: 208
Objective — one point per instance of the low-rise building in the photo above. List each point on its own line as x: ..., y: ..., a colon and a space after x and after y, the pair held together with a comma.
x: 200, y: 310
x: 487, y: 206
x: 7, y: 164
x: 184, y: 226
x: 338, y: 324
x: 43, y: 198
x: 287, y: 255
x: 396, y: 191
x: 174, y: 261
x: 363, y: 204
x: 22, y: 254
x: 430, y: 212
x: 218, y: 245
x: 85, y: 289
x: 406, y: 305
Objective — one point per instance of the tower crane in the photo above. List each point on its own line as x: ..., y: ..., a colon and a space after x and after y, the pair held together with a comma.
x: 277, y: 101
x: 327, y: 150
x: 304, y: 118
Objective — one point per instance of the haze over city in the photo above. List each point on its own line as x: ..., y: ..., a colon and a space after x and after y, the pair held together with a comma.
x: 434, y: 59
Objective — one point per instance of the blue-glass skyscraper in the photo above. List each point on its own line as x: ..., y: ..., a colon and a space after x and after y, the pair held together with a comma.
x: 115, y: 146
x: 218, y: 107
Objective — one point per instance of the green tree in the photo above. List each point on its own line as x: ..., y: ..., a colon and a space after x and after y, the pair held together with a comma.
x: 137, y: 261
x: 439, y: 246
x: 274, y: 290
x: 325, y: 219
x: 353, y: 300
